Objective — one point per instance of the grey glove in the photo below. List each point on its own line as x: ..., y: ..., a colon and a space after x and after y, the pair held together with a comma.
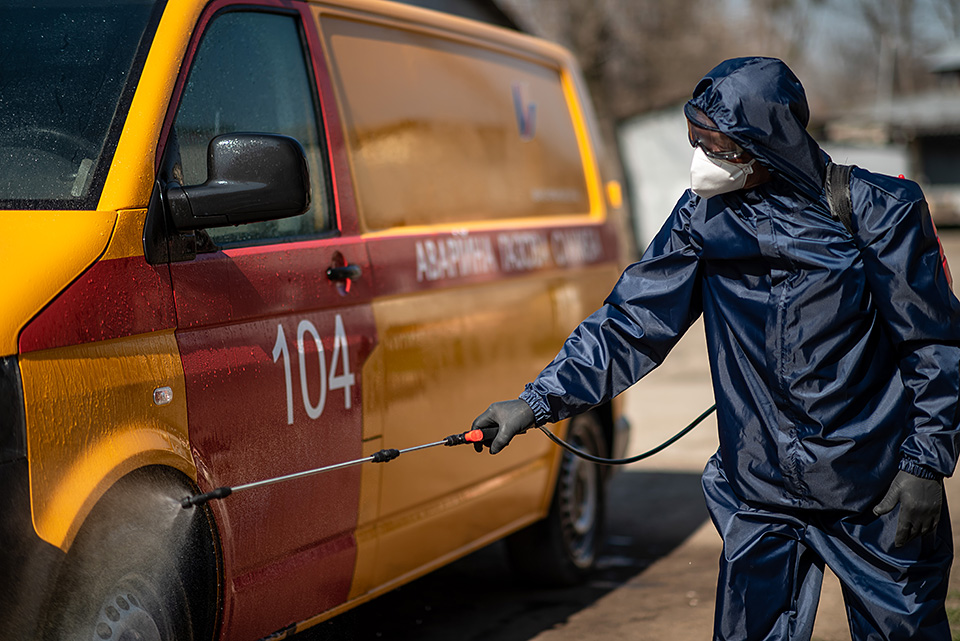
x: 511, y: 417
x: 920, y: 501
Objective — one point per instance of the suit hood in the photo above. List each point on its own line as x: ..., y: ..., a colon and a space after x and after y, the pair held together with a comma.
x: 760, y: 104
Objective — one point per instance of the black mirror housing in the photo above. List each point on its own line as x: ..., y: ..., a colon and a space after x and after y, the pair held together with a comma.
x: 250, y: 178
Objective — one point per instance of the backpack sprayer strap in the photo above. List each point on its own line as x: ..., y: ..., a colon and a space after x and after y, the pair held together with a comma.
x: 837, y: 186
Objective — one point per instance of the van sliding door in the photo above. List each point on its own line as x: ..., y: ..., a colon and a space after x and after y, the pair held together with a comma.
x: 488, y: 245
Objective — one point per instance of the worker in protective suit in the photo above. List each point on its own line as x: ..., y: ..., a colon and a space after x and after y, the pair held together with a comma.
x: 835, y: 360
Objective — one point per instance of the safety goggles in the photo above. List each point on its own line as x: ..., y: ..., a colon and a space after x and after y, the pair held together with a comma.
x: 732, y: 155
x: 699, y: 120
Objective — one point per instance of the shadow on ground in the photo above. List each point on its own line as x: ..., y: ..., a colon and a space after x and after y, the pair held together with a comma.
x: 477, y: 598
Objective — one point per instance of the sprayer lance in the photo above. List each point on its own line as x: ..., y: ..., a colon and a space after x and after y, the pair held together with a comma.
x: 485, y: 436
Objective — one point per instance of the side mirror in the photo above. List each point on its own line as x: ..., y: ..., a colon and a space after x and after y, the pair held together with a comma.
x: 250, y: 178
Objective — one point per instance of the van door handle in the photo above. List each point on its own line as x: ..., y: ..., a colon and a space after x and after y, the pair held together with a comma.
x: 346, y: 272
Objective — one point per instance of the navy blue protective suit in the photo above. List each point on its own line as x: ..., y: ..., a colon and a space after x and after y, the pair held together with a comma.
x: 835, y: 362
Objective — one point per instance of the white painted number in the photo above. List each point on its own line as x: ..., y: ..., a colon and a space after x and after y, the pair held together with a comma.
x: 339, y: 361
x: 281, y: 348
x: 341, y: 381
x: 313, y: 411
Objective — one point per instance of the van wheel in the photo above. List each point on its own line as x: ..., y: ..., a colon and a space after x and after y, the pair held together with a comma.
x: 135, y: 608
x: 562, y: 549
x: 128, y: 574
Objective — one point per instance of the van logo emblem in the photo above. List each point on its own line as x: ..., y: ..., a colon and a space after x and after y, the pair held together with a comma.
x: 525, y: 110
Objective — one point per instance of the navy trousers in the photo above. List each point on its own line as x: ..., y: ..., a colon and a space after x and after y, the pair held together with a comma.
x: 772, y: 567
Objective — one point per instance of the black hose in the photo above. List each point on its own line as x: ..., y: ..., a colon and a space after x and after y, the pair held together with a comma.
x: 633, y: 459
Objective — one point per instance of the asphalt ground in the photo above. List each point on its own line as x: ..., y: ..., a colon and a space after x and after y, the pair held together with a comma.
x: 657, y: 573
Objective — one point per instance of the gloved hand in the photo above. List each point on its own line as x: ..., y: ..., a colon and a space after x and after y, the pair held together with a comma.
x: 511, y: 417
x: 920, y: 501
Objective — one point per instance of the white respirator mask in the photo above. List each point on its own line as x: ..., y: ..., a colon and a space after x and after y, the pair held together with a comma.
x: 712, y: 176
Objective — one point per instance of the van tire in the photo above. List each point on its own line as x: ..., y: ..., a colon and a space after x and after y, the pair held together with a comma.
x: 129, y: 571
x: 562, y: 549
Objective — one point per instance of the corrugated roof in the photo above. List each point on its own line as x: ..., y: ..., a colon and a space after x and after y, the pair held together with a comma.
x: 946, y: 60
x: 932, y: 112
x: 936, y: 111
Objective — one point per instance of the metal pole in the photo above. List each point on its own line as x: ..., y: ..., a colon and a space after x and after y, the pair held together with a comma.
x: 382, y: 456
x: 327, y: 468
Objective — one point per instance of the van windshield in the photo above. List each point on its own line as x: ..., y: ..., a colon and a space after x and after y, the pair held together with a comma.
x: 67, y: 72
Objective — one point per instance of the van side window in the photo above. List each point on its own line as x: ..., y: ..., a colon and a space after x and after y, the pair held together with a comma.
x: 251, y: 74
x: 444, y: 131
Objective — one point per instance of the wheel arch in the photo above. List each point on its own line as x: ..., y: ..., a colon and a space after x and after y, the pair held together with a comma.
x: 77, y: 498
x: 198, y: 550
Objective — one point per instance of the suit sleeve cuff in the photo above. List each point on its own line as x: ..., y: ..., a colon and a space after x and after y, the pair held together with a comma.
x: 910, y: 466
x: 538, y: 404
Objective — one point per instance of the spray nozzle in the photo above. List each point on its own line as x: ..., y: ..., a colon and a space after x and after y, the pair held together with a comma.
x: 200, y: 499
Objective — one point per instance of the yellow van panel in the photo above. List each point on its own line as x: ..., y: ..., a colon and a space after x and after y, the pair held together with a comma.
x: 43, y: 251
x: 127, y: 239
x: 92, y: 418
x: 402, y: 550
x: 448, y: 354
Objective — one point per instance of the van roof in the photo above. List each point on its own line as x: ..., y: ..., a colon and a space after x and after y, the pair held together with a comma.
x: 441, y: 21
